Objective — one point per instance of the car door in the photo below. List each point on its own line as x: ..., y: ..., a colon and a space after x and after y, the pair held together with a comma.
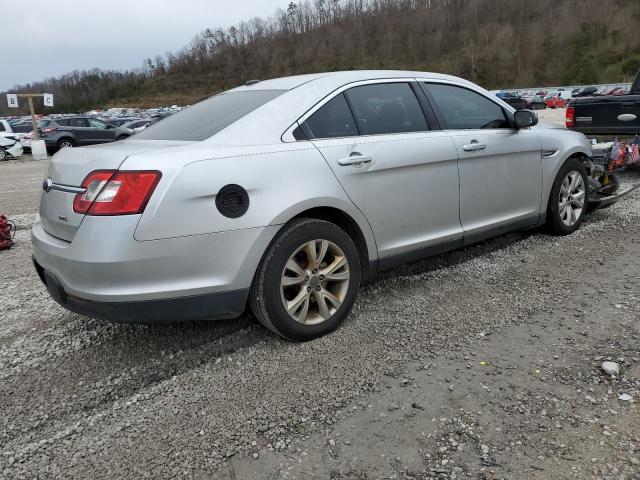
x: 500, y: 166
x: 399, y: 173
x: 82, y: 132
x: 101, y: 131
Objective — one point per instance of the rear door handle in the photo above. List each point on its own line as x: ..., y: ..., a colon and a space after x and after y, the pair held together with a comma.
x: 355, y: 160
x: 474, y: 147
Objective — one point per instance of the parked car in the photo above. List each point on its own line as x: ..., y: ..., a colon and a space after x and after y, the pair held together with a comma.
x: 137, y: 125
x: 78, y: 131
x: 513, y: 99
x: 606, y: 115
x: 286, y: 193
x: 9, y: 147
x: 6, y: 131
x: 536, y: 102
x: 119, y: 122
x: 556, y: 100
x: 586, y: 91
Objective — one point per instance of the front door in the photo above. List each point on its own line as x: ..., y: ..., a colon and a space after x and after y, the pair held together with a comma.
x: 500, y: 167
x: 401, y: 175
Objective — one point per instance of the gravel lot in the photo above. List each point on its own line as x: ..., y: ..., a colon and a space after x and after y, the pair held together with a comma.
x: 482, y: 363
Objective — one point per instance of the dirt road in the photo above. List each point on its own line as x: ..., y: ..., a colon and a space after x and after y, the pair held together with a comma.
x: 481, y: 363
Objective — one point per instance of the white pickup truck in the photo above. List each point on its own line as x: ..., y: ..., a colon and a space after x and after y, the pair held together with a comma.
x: 9, y: 144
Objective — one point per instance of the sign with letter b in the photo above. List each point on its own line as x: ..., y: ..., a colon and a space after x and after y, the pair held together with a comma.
x: 12, y: 100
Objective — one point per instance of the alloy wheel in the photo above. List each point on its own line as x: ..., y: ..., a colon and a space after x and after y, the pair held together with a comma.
x: 314, y: 282
x: 572, y: 197
x: 66, y: 144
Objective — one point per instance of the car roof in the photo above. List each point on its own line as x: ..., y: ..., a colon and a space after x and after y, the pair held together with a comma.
x: 340, y: 78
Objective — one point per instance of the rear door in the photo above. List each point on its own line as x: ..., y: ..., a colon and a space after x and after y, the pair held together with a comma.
x: 399, y: 173
x: 500, y: 167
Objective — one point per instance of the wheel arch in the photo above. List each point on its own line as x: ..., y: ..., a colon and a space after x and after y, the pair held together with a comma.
x: 551, y: 172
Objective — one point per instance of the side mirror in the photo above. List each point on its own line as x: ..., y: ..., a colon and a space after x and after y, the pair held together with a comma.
x: 525, y: 118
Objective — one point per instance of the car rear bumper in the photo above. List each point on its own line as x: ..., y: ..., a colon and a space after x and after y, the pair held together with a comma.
x: 104, y: 272
x: 211, y: 306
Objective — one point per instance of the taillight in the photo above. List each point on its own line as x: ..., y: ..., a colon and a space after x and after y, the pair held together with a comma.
x: 570, y: 117
x: 48, y: 130
x: 110, y: 192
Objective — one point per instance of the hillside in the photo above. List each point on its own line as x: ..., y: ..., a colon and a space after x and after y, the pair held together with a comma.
x: 496, y: 43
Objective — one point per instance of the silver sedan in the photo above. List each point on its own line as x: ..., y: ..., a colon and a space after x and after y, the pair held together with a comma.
x: 285, y: 194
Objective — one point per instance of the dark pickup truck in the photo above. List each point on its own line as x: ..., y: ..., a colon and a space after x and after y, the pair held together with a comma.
x: 608, y: 115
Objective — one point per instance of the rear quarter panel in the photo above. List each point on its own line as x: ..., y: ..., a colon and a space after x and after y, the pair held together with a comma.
x: 282, y: 180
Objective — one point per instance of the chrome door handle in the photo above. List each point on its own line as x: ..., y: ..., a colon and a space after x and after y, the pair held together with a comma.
x: 474, y: 147
x: 355, y: 160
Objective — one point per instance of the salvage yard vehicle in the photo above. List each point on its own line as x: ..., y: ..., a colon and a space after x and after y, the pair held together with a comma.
x: 286, y: 193
x: 606, y: 115
x: 68, y: 132
x: 9, y: 147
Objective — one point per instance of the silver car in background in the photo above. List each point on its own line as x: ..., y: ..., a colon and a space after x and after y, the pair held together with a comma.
x: 285, y: 194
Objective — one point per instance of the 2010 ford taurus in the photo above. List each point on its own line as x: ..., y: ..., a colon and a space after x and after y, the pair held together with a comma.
x: 285, y: 194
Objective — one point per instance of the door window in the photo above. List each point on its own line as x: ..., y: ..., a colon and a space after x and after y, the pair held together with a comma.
x: 461, y: 108
x: 386, y: 108
x: 78, y: 122
x: 97, y: 124
x: 333, y: 119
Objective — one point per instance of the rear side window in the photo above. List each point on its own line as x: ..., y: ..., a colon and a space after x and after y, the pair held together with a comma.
x: 63, y: 123
x: 2, y: 129
x: 78, y: 122
x: 333, y: 119
x: 206, y: 118
x: 386, y: 108
x: 461, y: 108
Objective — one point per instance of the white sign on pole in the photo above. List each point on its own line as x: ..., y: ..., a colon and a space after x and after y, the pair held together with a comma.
x: 12, y: 100
x: 48, y: 99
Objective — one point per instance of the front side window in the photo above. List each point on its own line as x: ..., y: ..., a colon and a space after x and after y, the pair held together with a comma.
x: 333, y: 119
x: 206, y: 118
x: 384, y: 108
x: 461, y: 108
x: 97, y: 124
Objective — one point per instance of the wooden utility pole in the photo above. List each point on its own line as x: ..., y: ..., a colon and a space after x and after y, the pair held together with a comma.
x: 30, y: 96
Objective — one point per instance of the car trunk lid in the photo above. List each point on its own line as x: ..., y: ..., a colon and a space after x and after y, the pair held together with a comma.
x: 69, y: 167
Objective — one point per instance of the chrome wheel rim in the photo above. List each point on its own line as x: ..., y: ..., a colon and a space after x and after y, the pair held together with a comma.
x: 572, y: 196
x: 314, y: 282
x: 66, y: 145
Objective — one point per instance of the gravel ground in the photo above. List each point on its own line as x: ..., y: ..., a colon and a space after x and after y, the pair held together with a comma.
x: 481, y: 363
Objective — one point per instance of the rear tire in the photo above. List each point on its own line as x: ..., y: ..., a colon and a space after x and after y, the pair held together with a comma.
x: 613, y: 186
x: 65, y: 143
x: 307, y: 281
x: 569, y: 199
x: 3, y: 155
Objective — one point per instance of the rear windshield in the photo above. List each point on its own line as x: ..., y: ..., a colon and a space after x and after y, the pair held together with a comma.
x: 205, y: 119
x: 43, y: 123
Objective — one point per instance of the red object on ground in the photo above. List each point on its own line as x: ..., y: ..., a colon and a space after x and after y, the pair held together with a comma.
x: 7, y: 231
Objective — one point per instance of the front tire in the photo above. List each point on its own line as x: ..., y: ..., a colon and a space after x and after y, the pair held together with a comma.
x: 569, y: 200
x: 307, y: 281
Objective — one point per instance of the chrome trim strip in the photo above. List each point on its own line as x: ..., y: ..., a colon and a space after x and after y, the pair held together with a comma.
x: 67, y: 188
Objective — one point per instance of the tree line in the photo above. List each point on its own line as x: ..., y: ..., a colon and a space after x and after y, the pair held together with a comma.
x: 496, y: 43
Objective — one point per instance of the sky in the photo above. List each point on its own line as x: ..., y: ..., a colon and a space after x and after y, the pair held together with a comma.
x: 44, y: 38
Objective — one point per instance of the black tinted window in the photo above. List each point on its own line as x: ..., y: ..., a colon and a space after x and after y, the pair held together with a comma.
x: 333, y: 119
x: 205, y: 119
x: 386, y: 108
x: 78, y: 122
x: 2, y: 129
x: 43, y: 123
x: 461, y: 108
x: 63, y: 122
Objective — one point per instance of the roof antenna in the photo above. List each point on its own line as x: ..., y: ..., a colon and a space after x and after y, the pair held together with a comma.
x: 252, y: 82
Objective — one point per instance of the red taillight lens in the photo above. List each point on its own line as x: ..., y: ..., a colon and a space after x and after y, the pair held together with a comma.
x: 570, y: 117
x: 48, y: 130
x: 109, y: 192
